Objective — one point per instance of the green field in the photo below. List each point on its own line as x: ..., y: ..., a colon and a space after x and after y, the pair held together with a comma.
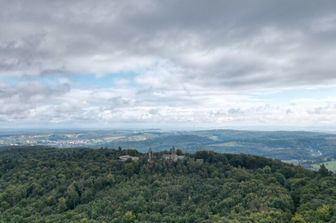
x: 331, y: 165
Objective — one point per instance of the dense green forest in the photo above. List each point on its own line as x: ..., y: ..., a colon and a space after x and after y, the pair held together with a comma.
x: 40, y: 184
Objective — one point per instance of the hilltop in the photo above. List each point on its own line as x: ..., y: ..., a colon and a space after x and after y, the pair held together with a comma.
x: 41, y: 184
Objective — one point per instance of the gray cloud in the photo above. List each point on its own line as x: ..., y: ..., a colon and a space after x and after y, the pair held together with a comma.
x: 193, y: 60
x: 27, y: 91
x: 225, y: 43
x: 25, y: 99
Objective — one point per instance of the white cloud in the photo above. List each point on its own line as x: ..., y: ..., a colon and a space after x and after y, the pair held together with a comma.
x: 193, y: 61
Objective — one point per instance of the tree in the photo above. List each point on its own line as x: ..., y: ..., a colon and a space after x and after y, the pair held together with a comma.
x: 323, y: 171
x: 129, y: 217
x: 297, y: 218
x: 72, y: 196
x: 324, y: 212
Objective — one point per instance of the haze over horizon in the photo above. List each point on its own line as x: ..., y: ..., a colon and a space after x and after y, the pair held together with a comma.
x: 191, y: 64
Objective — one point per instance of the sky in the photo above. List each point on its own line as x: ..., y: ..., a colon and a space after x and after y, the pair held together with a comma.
x: 168, y: 64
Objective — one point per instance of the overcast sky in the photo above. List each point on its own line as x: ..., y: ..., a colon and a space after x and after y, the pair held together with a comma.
x: 168, y: 64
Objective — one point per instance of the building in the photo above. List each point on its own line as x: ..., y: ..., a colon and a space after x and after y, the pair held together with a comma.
x: 149, y: 155
x: 128, y: 157
x: 172, y: 156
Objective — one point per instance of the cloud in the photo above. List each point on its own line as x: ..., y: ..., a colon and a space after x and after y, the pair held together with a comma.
x: 59, y: 105
x: 263, y: 43
x: 193, y: 61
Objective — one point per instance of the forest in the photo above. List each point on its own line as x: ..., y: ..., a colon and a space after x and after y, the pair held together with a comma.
x: 41, y: 184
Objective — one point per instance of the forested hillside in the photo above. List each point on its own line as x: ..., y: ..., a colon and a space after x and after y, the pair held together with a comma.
x: 81, y: 185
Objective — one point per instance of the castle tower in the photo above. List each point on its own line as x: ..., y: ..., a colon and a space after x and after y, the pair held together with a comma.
x: 149, y: 155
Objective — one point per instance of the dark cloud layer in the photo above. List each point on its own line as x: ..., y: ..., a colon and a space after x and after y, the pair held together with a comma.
x: 226, y: 43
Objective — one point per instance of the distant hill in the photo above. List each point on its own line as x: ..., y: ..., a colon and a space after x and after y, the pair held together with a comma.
x: 305, y: 148
x: 39, y: 184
